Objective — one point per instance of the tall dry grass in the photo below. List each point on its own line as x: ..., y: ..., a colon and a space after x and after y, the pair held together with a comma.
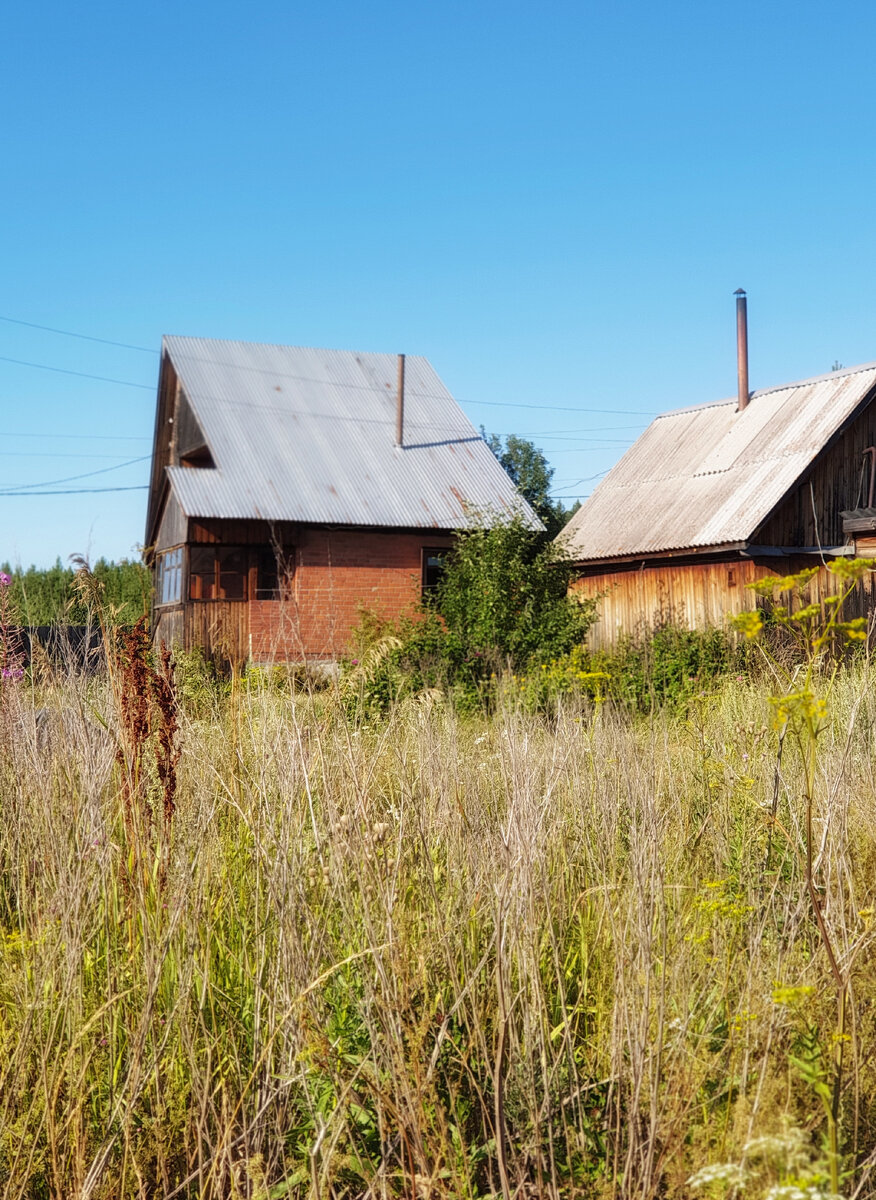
x: 427, y: 956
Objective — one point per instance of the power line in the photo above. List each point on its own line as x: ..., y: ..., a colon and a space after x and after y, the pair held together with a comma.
x: 86, y: 437
x: 579, y: 432
x: 612, y: 412
x: 586, y: 479
x: 362, y: 387
x: 85, y: 337
x: 24, y: 488
x: 52, y: 454
x: 137, y: 487
x: 19, y: 362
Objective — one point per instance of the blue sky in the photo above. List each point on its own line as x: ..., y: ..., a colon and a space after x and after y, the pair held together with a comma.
x: 554, y: 203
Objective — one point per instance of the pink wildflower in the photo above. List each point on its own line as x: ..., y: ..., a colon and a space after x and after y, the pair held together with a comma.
x: 5, y: 579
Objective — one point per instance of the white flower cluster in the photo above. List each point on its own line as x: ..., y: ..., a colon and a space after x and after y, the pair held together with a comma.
x: 729, y: 1174
x: 790, y: 1147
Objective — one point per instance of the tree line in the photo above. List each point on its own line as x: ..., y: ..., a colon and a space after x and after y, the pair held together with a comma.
x: 48, y: 595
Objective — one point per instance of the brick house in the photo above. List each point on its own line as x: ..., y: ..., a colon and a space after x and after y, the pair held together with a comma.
x: 291, y: 488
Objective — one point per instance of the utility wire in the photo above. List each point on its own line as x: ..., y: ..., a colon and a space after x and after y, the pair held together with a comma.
x: 137, y: 487
x: 85, y: 437
x: 24, y: 488
x: 53, y: 454
x: 587, y: 479
x: 361, y: 387
x: 148, y: 387
x: 85, y: 337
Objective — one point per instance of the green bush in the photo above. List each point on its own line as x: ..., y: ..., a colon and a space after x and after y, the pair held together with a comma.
x: 502, y: 605
x: 667, y: 667
x: 505, y: 597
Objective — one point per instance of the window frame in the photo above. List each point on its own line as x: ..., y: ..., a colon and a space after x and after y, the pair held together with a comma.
x: 256, y: 557
x: 217, y: 549
x: 166, y: 570
x: 282, y: 572
x: 428, y: 588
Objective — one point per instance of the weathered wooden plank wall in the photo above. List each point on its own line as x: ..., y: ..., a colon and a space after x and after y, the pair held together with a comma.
x: 220, y: 627
x: 162, y: 446
x: 810, y: 513
x: 699, y: 595
x: 173, y: 527
x: 694, y: 596
x: 243, y: 533
x: 169, y: 627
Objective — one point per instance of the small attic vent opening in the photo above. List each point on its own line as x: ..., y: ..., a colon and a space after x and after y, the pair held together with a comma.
x: 199, y: 457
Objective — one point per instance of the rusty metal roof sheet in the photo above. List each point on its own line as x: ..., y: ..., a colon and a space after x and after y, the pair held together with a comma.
x: 709, y: 475
x: 309, y: 435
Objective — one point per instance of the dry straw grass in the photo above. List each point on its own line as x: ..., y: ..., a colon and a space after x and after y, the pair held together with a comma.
x: 427, y: 956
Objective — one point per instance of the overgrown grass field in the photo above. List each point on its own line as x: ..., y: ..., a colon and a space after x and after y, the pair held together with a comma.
x: 567, y: 952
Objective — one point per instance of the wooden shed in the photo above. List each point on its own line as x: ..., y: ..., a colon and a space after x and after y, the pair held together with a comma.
x: 712, y: 497
x: 292, y: 488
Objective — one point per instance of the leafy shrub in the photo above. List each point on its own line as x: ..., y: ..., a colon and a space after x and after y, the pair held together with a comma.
x: 505, y: 596
x: 503, y: 604
x: 200, y: 686
x: 667, y: 667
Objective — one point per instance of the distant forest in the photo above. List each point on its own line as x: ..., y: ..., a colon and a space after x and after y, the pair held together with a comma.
x: 48, y: 596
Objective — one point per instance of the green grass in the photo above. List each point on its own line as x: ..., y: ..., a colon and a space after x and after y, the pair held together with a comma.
x: 425, y: 955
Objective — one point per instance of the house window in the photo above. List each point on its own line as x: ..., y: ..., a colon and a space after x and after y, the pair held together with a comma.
x: 169, y: 583
x: 218, y: 573
x: 433, y: 569
x: 274, y: 571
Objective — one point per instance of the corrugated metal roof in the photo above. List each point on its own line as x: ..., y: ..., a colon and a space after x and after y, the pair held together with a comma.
x: 709, y: 475
x: 309, y: 435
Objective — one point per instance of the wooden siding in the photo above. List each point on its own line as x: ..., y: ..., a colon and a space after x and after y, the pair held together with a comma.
x: 243, y: 533
x: 162, y: 447
x: 694, y: 596
x: 169, y: 628
x: 220, y: 628
x: 187, y: 433
x: 698, y: 595
x: 810, y: 514
x: 173, y: 527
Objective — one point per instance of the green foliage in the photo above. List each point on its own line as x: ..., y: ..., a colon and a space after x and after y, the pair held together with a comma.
x: 667, y: 667
x: 201, y: 687
x: 530, y: 473
x: 505, y: 597
x: 300, y: 992
x: 46, y: 596
x: 503, y: 604
x: 818, y: 632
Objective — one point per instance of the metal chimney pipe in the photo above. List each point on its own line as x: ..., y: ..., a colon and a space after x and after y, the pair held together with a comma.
x: 400, y: 411
x: 742, y: 348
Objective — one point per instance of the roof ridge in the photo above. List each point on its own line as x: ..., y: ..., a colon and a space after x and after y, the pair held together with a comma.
x: 184, y: 337
x: 797, y: 383
x: 704, y: 481
x: 765, y: 391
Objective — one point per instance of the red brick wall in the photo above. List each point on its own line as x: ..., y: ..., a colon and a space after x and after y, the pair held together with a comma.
x: 337, y: 573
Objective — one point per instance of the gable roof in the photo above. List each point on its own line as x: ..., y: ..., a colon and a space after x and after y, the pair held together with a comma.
x: 709, y: 475
x: 309, y: 436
